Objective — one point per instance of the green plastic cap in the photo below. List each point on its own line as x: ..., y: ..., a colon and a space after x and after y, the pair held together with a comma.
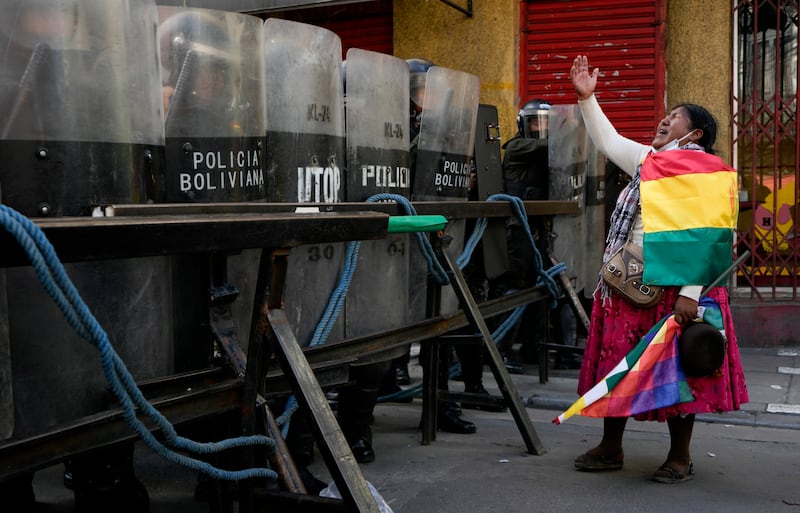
x: 406, y: 224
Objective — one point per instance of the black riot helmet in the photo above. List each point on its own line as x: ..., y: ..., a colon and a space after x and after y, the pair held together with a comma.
x: 196, y: 30
x: 532, y: 119
x: 417, y: 71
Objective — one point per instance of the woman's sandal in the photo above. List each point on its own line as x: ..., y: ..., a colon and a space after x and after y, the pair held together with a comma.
x: 669, y: 475
x: 598, y: 463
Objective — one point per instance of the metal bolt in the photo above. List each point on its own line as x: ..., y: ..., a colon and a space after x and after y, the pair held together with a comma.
x: 44, y: 209
x: 41, y: 153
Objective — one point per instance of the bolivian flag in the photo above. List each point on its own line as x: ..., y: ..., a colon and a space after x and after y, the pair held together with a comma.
x: 689, y: 210
x: 648, y: 378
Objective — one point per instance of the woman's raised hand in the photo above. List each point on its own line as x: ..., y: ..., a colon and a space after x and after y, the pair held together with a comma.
x: 583, y: 81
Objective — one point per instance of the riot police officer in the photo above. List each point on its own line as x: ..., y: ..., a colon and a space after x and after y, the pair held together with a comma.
x: 525, y: 175
x: 417, y: 71
x: 422, y: 95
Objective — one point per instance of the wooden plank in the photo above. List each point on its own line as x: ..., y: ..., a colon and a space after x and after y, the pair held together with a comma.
x: 79, y: 239
x: 507, y: 387
x: 450, y: 209
x: 332, y: 444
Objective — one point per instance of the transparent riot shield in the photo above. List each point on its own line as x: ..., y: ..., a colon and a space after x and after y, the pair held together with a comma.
x: 446, y: 136
x: 215, y: 122
x: 305, y: 110
x: 80, y: 115
x: 213, y: 86
x: 443, y: 163
x: 576, y: 174
x: 305, y: 152
x: 377, y: 92
x: 82, y: 128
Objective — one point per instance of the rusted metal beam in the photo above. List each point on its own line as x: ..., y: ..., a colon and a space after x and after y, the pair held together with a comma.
x: 450, y: 209
x: 107, y: 428
x: 86, y: 238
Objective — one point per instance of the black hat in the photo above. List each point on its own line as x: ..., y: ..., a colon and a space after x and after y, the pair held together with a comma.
x: 701, y: 348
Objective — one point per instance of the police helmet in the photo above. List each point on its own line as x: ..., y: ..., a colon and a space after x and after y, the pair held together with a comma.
x: 417, y: 71
x: 59, y: 25
x: 202, y: 31
x: 532, y: 119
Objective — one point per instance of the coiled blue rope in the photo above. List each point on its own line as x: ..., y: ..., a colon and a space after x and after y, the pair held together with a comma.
x: 545, y: 277
x: 336, y: 301
x: 54, y: 279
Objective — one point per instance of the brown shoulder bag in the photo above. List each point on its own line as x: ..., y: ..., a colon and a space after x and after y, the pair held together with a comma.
x: 623, y: 274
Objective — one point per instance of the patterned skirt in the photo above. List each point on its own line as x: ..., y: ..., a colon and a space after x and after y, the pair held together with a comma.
x: 616, y: 328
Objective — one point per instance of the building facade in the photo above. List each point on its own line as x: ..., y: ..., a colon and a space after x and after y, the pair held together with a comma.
x: 736, y: 57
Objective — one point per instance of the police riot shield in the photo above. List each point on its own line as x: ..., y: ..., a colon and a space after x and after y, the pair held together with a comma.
x: 576, y: 174
x: 376, y: 113
x: 215, y: 121
x: 442, y: 167
x: 81, y: 125
x: 446, y: 136
x: 305, y: 152
x: 82, y: 128
x: 489, y: 170
x: 213, y: 85
x: 305, y: 112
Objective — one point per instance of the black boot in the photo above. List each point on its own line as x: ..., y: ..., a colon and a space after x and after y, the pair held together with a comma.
x: 362, y: 451
x: 17, y: 494
x: 104, y: 481
x: 401, y: 375
x: 450, y: 421
x: 356, y: 404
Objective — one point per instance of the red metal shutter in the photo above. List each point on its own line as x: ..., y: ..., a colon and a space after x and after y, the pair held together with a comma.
x: 624, y: 38
x: 365, y: 25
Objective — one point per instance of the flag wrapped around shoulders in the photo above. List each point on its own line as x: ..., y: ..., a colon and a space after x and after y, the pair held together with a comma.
x: 690, y: 206
x: 649, y: 377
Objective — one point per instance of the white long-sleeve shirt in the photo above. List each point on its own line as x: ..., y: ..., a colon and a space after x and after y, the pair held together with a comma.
x: 626, y: 154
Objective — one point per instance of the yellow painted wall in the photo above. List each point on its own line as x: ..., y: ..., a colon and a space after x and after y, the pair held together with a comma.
x: 700, y: 62
x: 486, y: 45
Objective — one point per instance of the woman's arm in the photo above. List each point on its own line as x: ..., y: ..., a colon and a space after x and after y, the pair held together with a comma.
x: 625, y: 153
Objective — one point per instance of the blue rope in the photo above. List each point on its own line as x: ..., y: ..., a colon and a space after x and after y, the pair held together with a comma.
x: 424, y: 244
x: 54, y: 279
x: 544, y: 277
x: 336, y: 301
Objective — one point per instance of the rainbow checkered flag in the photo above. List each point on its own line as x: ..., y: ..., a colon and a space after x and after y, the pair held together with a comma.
x: 649, y: 377
x: 690, y: 205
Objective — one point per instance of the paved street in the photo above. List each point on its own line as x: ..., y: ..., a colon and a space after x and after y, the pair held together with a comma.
x: 746, y: 461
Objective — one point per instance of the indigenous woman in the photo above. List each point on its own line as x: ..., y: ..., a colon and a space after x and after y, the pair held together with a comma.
x: 687, y: 135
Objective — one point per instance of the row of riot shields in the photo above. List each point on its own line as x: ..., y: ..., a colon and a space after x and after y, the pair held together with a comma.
x: 126, y: 102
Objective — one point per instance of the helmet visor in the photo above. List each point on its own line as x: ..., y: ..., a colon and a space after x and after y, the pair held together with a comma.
x: 534, y: 125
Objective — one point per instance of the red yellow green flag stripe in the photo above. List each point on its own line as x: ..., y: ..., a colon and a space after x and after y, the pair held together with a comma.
x: 689, y: 211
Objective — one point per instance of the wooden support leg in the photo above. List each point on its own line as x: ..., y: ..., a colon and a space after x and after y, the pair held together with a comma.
x: 429, y: 355
x: 251, y: 367
x: 332, y: 444
x: 569, y: 290
x: 507, y: 387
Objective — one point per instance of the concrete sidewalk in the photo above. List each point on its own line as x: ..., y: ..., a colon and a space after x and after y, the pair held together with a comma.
x: 773, y: 383
x: 746, y: 461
